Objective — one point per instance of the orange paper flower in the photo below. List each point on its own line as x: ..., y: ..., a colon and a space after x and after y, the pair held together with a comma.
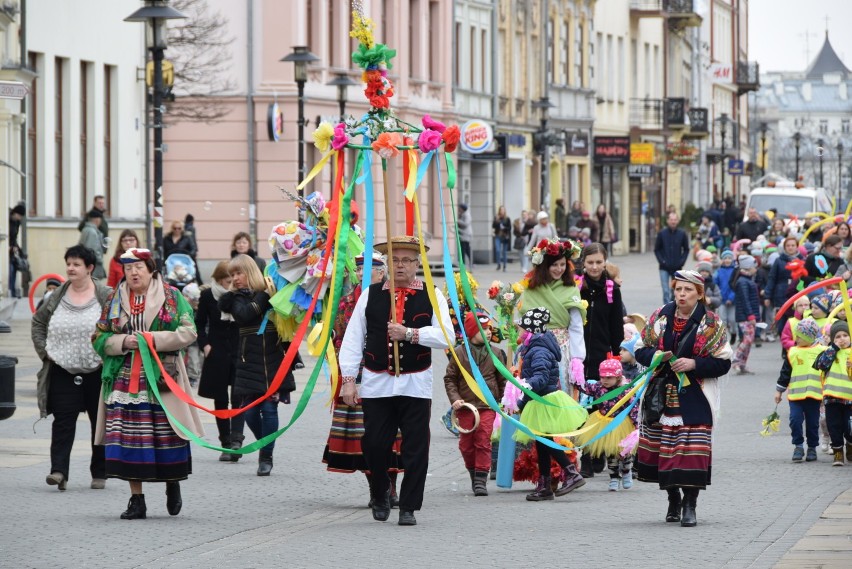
x: 451, y: 138
x: 385, y: 145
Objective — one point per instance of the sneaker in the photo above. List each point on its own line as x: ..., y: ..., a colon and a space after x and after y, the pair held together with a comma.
x: 812, y: 455
x: 627, y: 480
x: 798, y: 454
x: 448, y: 424
x: 825, y: 447
x: 838, y: 458
x: 613, y: 484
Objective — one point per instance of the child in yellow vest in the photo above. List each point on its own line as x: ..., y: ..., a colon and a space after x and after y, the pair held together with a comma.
x: 837, y: 390
x: 821, y: 306
x: 805, y: 388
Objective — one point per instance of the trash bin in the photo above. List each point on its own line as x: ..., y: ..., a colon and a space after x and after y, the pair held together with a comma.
x: 7, y: 386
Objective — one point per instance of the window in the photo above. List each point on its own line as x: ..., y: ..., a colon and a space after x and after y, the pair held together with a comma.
x: 458, y: 50
x: 435, y: 24
x: 32, y: 138
x: 610, y: 69
x: 844, y: 126
x: 471, y: 76
x: 565, y: 63
x: 485, y: 61
x: 58, y: 116
x: 551, y: 53
x: 84, y: 134
x: 414, y: 26
x: 109, y: 73
x: 634, y: 69
x: 823, y: 126
x: 579, y: 40
x: 620, y: 94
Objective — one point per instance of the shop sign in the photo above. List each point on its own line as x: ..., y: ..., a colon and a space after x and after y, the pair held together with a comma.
x: 642, y: 153
x: 576, y: 144
x: 274, y: 122
x: 476, y: 136
x: 721, y: 73
x: 640, y: 171
x: 498, y: 150
x: 612, y: 150
x: 736, y: 167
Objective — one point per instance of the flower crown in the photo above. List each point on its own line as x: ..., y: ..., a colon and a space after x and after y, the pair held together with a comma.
x: 568, y: 249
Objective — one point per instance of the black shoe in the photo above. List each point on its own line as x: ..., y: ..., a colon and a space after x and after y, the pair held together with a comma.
x: 264, y: 466
x: 598, y: 464
x: 136, y: 509
x: 406, y: 518
x: 173, y: 499
x: 236, y: 444
x: 586, y: 470
x: 381, y: 508
x: 480, y: 483
x: 673, y: 513
x: 688, y: 518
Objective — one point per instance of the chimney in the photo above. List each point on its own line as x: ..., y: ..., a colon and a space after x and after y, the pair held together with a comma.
x: 806, y: 91
x: 842, y: 90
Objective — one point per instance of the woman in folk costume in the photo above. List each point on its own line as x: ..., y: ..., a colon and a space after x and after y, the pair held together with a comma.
x: 551, y: 285
x: 343, y: 449
x: 677, y: 413
x: 143, y: 444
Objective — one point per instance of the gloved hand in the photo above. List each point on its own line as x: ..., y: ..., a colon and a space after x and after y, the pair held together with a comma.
x: 578, y: 373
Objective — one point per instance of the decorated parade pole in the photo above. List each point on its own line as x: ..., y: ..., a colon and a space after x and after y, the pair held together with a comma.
x: 391, y: 277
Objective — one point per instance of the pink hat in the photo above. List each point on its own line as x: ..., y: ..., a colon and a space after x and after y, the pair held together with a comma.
x: 610, y: 367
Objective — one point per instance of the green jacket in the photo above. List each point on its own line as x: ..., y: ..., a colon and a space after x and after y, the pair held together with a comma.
x: 41, y: 320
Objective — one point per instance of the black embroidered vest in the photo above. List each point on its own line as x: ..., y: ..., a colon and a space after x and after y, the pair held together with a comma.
x: 378, y: 350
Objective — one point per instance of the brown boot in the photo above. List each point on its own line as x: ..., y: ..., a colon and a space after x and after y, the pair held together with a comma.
x: 480, y: 482
x: 542, y: 490
x: 569, y: 480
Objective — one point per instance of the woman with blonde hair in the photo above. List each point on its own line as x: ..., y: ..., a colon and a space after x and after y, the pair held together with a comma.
x: 259, y: 355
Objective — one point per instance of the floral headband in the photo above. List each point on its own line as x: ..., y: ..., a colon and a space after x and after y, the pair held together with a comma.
x: 568, y: 249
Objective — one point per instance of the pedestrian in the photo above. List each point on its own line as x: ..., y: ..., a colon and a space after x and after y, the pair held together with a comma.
x: 98, y: 204
x: 143, y: 443
x: 260, y: 355
x: 343, y: 452
x: 177, y: 241
x: 671, y: 249
x: 820, y: 309
x: 91, y: 237
x: 241, y: 245
x: 502, y: 227
x: 395, y: 397
x: 543, y: 230
x: 475, y: 446
x: 712, y: 295
x: 722, y: 278
x: 50, y: 286
x: 69, y: 381
x: 801, y: 310
x: 539, y: 354
x: 465, y: 234
x: 630, y: 368
x: 572, y: 219
x: 16, y: 214
x: 779, y: 285
x: 127, y: 240
x: 559, y: 218
x: 218, y: 338
x: 608, y: 447
x: 825, y: 263
x: 677, y: 416
x: 752, y: 227
x: 837, y: 391
x: 586, y: 222
x: 606, y: 231
x: 529, y: 224
x: 803, y: 385
x: 747, y: 303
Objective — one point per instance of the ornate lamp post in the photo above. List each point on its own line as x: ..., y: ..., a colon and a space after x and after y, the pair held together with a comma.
x: 301, y: 57
x: 723, y: 130
x: 543, y: 106
x: 763, y: 129
x: 155, y: 14
x: 821, y: 155
x: 342, y: 81
x: 839, y: 171
x: 797, y: 140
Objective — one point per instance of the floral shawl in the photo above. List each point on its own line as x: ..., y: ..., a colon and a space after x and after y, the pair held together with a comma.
x: 711, y: 338
x: 558, y: 299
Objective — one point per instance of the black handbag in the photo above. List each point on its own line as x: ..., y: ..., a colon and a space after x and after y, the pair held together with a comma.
x: 654, y: 401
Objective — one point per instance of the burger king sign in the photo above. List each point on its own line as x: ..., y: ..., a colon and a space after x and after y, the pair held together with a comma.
x: 476, y: 136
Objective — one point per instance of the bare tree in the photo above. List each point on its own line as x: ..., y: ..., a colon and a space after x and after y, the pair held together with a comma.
x: 199, y: 50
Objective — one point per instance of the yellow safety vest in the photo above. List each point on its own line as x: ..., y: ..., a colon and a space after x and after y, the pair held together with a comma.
x: 825, y: 326
x: 837, y: 383
x: 805, y: 381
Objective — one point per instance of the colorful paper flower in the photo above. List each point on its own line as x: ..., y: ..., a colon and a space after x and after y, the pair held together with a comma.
x: 429, y: 140
x: 432, y: 124
x: 379, y: 102
x: 451, y: 138
x: 385, y: 145
x: 322, y: 137
x: 340, y: 139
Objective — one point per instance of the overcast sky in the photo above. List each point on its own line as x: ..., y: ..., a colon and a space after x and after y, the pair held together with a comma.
x: 778, y: 31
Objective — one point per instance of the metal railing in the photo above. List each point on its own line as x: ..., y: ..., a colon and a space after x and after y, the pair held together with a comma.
x: 647, y: 114
x: 748, y: 73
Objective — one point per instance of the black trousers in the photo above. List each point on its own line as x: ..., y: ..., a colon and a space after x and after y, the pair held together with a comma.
x: 545, y: 453
x: 66, y: 401
x: 837, y: 418
x: 383, y: 416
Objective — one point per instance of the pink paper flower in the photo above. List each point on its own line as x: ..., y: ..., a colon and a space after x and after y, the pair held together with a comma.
x: 429, y: 140
x: 340, y: 139
x: 432, y: 124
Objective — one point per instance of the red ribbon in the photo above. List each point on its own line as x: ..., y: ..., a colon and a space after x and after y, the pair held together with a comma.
x: 135, y: 369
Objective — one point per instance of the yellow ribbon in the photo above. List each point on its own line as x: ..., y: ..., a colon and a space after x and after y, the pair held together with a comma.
x: 316, y: 169
x: 412, y: 177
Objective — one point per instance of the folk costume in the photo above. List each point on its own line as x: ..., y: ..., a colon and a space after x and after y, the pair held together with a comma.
x: 142, y: 442
x: 392, y: 402
x: 676, y: 418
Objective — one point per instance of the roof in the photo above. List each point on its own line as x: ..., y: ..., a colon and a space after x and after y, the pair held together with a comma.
x: 827, y: 61
x: 824, y: 98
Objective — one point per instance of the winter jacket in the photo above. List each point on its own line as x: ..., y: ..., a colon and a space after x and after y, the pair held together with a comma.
x: 607, y: 229
x: 712, y: 294
x: 457, y: 387
x: 186, y: 244
x: 746, y: 300
x: 723, y: 279
x: 465, y: 228
x: 604, y: 327
x: 751, y: 229
x: 90, y: 237
x: 222, y: 336
x: 778, y: 281
x: 814, y: 261
x: 671, y: 249
x: 540, y: 232
x: 540, y: 369
x: 258, y: 355
x: 502, y: 227
x: 115, y: 273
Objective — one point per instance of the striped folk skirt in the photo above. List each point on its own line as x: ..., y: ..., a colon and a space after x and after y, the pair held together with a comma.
x: 675, y: 455
x: 343, y: 448
x: 140, y: 442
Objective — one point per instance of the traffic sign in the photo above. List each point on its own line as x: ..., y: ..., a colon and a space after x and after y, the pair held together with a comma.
x: 13, y: 90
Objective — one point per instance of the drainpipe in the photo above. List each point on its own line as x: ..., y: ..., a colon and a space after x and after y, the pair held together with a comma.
x: 24, y: 181
x: 250, y: 133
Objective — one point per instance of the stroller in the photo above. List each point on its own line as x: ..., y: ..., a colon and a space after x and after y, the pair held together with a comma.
x: 180, y: 270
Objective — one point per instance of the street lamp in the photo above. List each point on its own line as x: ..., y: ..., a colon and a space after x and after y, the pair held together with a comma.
x: 763, y: 129
x: 797, y: 140
x: 543, y: 105
x: 839, y: 171
x: 820, y: 154
x: 301, y: 57
x: 723, y: 130
x: 155, y: 14
x: 342, y: 81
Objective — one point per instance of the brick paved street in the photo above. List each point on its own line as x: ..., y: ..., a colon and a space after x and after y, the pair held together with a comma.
x: 758, y: 507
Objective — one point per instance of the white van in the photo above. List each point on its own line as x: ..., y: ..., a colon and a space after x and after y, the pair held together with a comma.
x: 788, y: 200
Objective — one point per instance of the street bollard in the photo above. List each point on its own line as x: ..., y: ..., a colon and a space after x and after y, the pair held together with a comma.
x: 7, y: 386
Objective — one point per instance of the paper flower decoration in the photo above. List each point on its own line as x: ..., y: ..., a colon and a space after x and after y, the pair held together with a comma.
x: 322, y: 137
x: 340, y: 139
x: 451, y: 138
x: 771, y: 423
x: 432, y: 124
x: 385, y: 145
x: 429, y: 140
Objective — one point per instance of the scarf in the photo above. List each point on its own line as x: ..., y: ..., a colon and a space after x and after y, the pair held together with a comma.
x: 218, y: 290
x: 558, y: 299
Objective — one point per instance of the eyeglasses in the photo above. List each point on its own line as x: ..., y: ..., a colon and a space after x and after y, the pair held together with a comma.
x: 128, y: 239
x: 403, y: 261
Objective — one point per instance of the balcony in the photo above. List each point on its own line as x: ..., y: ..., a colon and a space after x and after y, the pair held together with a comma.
x: 697, y: 123
x: 682, y: 14
x: 676, y: 113
x: 648, y: 116
x: 647, y: 9
x: 748, y: 76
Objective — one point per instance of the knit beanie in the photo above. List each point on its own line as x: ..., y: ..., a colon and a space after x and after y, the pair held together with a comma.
x: 470, y: 319
x: 836, y: 298
x: 610, y: 367
x: 747, y: 262
x: 703, y: 255
x: 823, y: 302
x: 630, y: 344
x: 704, y: 266
x: 535, y: 320
x: 838, y: 326
x: 727, y: 254
x: 807, y: 329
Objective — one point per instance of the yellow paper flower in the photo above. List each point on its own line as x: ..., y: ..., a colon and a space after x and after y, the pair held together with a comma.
x: 322, y: 137
x: 362, y: 29
x: 518, y: 288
